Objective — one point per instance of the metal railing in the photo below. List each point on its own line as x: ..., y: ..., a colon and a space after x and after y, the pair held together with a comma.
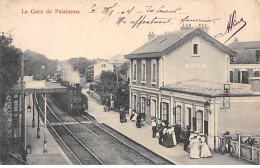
x: 237, y: 148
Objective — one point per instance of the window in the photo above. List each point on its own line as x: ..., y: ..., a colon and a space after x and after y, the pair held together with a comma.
x: 143, y: 105
x: 231, y: 76
x: 188, y: 117
x: 134, y: 102
x: 195, y: 49
x: 238, y: 77
x: 256, y: 74
x: 199, y: 121
x: 178, y: 115
x: 257, y: 55
x: 245, y: 77
x: 135, y: 70
x: 153, y: 71
x: 165, y: 107
x: 143, y: 71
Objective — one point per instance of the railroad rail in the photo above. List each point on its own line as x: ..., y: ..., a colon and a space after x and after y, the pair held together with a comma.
x: 123, y: 144
x: 70, y: 150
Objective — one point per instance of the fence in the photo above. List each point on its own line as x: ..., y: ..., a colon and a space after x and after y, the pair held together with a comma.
x: 239, y: 149
x: 95, y: 96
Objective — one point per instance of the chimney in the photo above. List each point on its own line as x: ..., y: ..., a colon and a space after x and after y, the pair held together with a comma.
x: 185, y: 29
x: 78, y: 89
x: 151, y: 36
x: 204, y: 27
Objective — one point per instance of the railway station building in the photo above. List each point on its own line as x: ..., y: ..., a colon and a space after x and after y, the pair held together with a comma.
x: 183, y: 78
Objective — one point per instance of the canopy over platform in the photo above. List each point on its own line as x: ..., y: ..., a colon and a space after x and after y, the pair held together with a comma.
x: 39, y: 87
x: 210, y: 89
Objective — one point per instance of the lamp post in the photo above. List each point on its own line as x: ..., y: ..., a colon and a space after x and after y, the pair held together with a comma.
x: 45, y: 129
x: 33, y: 120
x: 38, y: 127
x: 207, y: 106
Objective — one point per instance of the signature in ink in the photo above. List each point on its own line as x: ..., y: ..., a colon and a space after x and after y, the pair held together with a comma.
x: 232, y: 23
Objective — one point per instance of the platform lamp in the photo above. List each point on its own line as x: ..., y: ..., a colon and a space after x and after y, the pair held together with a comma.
x: 207, y: 106
x: 29, y: 106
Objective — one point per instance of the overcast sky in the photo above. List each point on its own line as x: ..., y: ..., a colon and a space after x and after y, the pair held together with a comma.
x: 97, y: 35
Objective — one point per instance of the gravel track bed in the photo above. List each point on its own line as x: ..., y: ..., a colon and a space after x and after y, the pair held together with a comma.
x: 133, y: 155
x: 107, y: 154
x: 82, y: 154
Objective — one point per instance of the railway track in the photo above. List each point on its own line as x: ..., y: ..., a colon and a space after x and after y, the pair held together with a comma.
x: 114, y: 145
x: 82, y: 155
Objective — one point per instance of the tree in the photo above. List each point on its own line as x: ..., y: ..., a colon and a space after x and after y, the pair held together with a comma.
x: 10, y: 59
x: 38, y: 65
x: 10, y: 65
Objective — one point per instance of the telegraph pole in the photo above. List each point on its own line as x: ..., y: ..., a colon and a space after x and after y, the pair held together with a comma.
x: 23, y: 112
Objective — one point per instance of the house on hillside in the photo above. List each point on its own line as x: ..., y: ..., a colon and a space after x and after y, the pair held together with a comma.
x: 93, y: 72
x: 183, y: 78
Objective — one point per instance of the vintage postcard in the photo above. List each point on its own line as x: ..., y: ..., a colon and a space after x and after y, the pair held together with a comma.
x: 128, y: 82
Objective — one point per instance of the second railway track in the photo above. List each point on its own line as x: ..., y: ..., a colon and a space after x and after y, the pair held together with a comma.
x: 104, y: 145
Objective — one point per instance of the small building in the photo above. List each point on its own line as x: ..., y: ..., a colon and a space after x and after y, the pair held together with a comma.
x: 247, y: 63
x: 93, y: 72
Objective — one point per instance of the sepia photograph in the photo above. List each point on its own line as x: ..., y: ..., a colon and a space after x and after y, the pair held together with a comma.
x: 130, y: 82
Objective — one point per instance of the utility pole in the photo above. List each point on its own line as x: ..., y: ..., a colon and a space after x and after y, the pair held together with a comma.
x: 23, y: 143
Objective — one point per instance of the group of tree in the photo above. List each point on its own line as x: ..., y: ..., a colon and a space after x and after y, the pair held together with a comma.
x: 115, y: 83
x: 10, y: 65
x: 38, y: 66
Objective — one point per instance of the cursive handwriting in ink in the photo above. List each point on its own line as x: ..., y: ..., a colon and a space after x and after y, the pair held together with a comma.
x: 155, y: 20
x: 232, y: 23
x: 188, y: 19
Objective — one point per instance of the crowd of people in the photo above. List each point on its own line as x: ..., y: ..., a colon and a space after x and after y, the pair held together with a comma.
x: 170, y: 135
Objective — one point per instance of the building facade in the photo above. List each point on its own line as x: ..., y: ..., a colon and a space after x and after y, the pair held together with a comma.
x: 93, y: 72
x: 247, y: 63
x: 170, y: 74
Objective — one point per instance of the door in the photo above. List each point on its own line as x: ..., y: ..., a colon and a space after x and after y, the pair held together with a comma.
x: 153, y: 109
x: 245, y: 77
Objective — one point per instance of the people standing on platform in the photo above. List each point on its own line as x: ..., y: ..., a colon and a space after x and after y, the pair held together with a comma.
x: 205, y: 152
x: 165, y: 137
x: 194, y: 147
x: 187, y: 137
x: 171, y: 142
x: 154, y: 128
x: 135, y: 116
x: 121, y: 114
x: 160, y: 129
x: 132, y: 115
x: 178, y: 132
x: 138, y: 120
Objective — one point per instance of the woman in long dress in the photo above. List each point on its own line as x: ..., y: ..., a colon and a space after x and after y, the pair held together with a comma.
x: 205, y: 152
x: 165, y: 138
x: 194, y: 148
x: 169, y: 138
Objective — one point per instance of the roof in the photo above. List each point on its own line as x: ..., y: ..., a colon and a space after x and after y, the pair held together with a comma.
x: 210, y: 89
x: 244, y: 45
x: 166, y: 43
x: 246, y: 51
x: 48, y: 87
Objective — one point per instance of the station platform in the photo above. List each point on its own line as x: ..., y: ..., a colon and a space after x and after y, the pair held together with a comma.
x: 54, y: 154
x: 143, y: 136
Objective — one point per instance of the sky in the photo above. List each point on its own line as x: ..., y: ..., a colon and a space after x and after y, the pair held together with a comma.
x: 93, y: 30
